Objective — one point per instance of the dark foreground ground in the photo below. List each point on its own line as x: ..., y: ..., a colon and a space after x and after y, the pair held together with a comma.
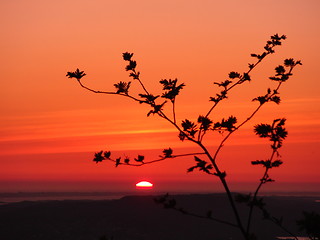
x: 139, y: 218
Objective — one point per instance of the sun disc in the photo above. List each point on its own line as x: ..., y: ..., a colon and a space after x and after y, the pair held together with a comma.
x: 144, y: 184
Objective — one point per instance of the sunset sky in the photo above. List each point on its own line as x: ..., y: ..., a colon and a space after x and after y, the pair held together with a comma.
x: 50, y: 127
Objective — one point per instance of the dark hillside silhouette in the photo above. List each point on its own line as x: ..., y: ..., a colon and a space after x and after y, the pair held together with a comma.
x: 138, y: 218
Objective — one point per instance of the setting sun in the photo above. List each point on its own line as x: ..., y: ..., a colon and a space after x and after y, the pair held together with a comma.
x: 144, y: 185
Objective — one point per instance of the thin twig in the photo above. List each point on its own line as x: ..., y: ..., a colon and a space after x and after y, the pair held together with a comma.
x: 273, y: 219
x: 103, y: 92
x: 204, y: 217
x: 142, y: 85
x: 174, y: 111
x: 240, y: 81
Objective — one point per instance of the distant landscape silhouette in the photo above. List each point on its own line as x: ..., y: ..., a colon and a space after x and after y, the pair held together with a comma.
x: 139, y: 218
x: 195, y: 131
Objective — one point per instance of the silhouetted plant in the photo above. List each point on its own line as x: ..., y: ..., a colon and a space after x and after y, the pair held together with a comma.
x: 195, y: 131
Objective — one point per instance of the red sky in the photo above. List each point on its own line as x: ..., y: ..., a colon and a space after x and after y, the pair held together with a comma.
x: 50, y: 127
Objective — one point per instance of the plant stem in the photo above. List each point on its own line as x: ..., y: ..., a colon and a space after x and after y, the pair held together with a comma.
x: 226, y: 187
x: 103, y: 92
x: 257, y: 191
x: 142, y: 85
x: 174, y: 111
x: 233, y: 85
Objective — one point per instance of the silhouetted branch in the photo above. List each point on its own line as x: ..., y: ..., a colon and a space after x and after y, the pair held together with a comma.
x: 101, y: 156
x: 195, y: 131
x: 269, y: 49
x: 172, y: 91
x: 222, y: 177
x: 206, y: 217
x: 223, y: 180
x: 277, y: 141
x: 277, y: 221
x: 172, y: 204
x: 268, y: 98
x: 103, y: 92
x: 263, y: 180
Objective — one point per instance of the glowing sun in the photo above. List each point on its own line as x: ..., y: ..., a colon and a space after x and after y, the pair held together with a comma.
x: 144, y: 185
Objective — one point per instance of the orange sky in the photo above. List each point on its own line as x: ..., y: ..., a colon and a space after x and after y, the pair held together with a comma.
x: 50, y: 127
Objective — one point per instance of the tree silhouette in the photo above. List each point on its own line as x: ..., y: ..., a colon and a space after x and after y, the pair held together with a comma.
x: 195, y: 130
